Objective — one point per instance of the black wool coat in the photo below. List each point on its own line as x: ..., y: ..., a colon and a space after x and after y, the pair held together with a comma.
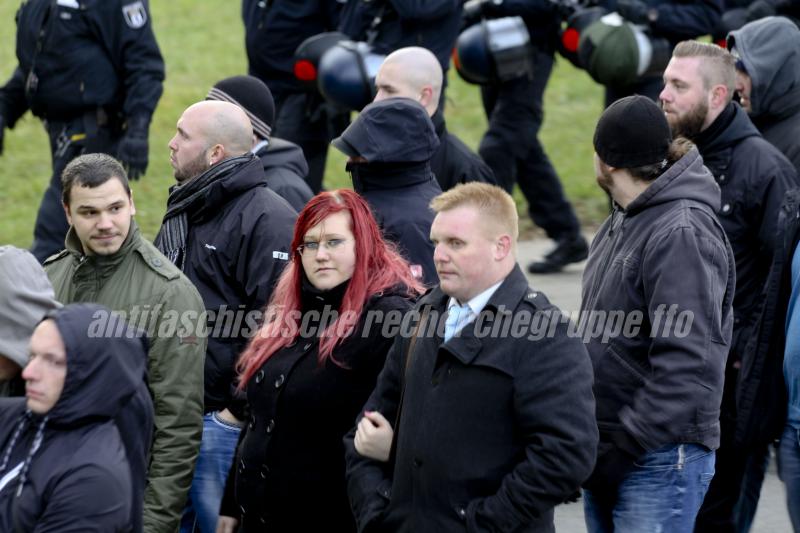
x: 495, y: 430
x: 289, y: 469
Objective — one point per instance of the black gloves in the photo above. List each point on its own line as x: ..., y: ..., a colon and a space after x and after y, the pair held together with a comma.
x: 133, y: 146
x: 2, y: 131
x: 635, y: 11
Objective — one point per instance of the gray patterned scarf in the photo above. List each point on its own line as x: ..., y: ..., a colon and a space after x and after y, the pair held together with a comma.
x: 171, y: 238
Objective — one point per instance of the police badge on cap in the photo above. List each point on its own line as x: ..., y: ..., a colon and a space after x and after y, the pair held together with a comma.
x: 135, y: 15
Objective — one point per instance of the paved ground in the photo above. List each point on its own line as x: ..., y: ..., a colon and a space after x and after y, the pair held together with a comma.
x: 563, y: 289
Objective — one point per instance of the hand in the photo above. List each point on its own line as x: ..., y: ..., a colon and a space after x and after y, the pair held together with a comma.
x: 133, y: 147
x: 634, y: 11
x: 374, y: 436
x: 227, y: 524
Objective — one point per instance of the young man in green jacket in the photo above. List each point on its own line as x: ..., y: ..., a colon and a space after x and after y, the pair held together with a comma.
x: 108, y: 261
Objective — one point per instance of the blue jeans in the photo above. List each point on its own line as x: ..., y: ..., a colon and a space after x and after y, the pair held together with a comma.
x: 662, y: 492
x: 217, y: 450
x: 789, y: 472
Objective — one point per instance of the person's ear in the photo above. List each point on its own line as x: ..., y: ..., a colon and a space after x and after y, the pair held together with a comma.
x: 719, y: 97
x: 426, y: 96
x: 133, y: 206
x: 216, y: 154
x: 503, y: 246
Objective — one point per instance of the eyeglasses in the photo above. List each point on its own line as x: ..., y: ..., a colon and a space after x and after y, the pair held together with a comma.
x: 311, y: 248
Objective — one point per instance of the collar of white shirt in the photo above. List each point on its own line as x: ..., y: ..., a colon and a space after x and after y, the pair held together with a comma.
x: 477, y: 303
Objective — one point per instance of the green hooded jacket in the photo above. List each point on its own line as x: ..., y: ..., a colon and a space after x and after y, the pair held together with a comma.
x: 139, y: 282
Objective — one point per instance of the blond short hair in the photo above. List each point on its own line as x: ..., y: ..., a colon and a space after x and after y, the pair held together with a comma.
x: 496, y: 206
x: 719, y: 65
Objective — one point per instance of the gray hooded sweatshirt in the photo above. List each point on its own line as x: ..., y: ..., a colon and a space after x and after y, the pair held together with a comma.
x: 26, y: 296
x: 658, y: 383
x: 770, y: 52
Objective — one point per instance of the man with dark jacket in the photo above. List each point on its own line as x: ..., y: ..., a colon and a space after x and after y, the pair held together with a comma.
x: 777, y: 341
x: 25, y: 297
x: 108, y: 261
x: 673, y: 20
x: 661, y: 259
x: 69, y: 448
x: 285, y: 168
x: 768, y: 80
x: 273, y: 30
x: 511, y: 147
x: 493, y: 427
x: 753, y: 176
x: 230, y: 234
x: 390, y: 146
x: 92, y: 71
x: 413, y: 72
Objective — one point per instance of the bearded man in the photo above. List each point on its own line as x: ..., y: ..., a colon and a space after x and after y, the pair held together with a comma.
x: 753, y: 176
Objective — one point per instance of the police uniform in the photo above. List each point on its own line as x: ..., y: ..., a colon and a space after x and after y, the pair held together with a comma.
x: 93, y: 72
x: 273, y: 31
x: 389, y: 25
x: 511, y: 147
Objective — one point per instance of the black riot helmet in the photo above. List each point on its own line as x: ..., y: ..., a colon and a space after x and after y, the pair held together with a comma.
x: 308, y: 55
x: 494, y: 50
x: 347, y: 74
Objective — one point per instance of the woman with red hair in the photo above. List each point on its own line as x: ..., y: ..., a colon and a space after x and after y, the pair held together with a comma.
x: 312, y: 366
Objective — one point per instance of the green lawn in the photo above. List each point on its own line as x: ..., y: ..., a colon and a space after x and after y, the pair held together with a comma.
x: 203, y: 42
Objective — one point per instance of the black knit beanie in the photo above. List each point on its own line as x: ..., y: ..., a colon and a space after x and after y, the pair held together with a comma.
x: 253, y: 96
x: 632, y: 132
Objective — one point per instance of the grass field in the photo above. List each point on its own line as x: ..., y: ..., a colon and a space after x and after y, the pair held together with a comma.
x: 202, y: 42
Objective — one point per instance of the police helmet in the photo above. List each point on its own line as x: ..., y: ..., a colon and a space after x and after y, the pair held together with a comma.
x: 616, y: 52
x: 347, y: 74
x: 308, y: 55
x: 494, y: 50
x: 576, y: 24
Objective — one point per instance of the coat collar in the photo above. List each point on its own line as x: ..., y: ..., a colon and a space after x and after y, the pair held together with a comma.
x: 466, y: 346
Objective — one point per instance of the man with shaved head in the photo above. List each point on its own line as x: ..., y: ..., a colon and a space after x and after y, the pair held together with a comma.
x: 230, y: 234
x: 414, y: 72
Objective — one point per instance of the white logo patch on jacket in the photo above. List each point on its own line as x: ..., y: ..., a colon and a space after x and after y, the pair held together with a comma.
x: 135, y: 15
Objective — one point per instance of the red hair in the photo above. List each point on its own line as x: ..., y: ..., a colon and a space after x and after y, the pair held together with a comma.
x: 378, y: 267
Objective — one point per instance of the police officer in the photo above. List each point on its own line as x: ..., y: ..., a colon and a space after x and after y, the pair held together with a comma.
x: 273, y: 31
x: 391, y: 24
x: 511, y: 147
x: 675, y: 20
x: 93, y: 72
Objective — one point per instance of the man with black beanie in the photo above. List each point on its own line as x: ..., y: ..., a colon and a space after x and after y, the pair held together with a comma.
x: 753, y: 177
x: 285, y: 166
x: 657, y: 318
x: 390, y: 146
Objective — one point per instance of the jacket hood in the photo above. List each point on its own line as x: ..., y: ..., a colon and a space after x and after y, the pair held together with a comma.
x: 395, y: 130
x: 686, y: 179
x: 26, y: 296
x: 103, y: 371
x: 280, y: 153
x: 769, y: 49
